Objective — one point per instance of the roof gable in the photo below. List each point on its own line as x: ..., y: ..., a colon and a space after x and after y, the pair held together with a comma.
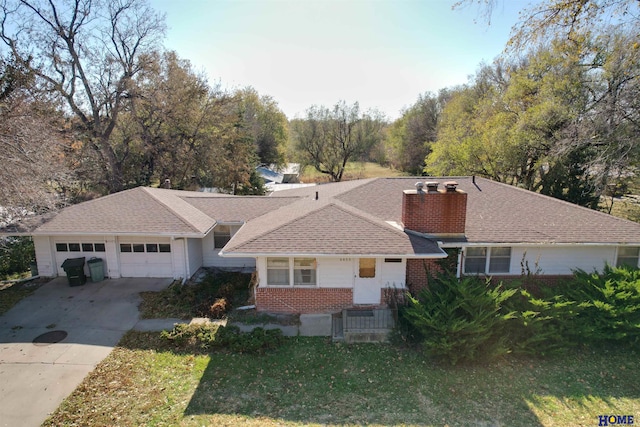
x: 135, y: 211
x: 331, y: 230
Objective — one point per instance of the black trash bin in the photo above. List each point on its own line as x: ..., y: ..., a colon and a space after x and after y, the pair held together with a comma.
x: 74, y: 267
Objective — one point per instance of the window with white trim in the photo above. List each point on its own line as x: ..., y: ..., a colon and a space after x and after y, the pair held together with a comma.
x: 304, y: 272
x: 221, y: 236
x: 628, y: 256
x: 278, y: 271
x: 483, y: 260
x: 499, y: 260
x: 283, y: 271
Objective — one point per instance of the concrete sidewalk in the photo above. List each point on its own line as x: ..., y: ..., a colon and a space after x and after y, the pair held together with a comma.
x: 35, y: 378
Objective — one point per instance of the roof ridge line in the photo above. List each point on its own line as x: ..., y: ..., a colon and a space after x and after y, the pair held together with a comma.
x: 345, y: 207
x: 177, y: 215
x: 264, y: 233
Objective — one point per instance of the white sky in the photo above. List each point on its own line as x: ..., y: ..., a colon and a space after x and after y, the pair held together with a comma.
x: 381, y: 53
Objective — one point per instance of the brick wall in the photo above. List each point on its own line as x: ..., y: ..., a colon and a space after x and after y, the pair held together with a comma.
x: 435, y: 212
x: 303, y: 300
x: 417, y: 276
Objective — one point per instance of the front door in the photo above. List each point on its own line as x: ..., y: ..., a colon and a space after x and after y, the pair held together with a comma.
x: 366, y: 288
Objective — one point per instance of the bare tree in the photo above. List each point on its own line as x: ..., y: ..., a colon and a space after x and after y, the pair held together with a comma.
x: 86, y: 54
x: 329, y: 138
x: 34, y: 171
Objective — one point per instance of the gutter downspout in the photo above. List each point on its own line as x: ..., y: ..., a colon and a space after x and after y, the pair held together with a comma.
x: 459, y: 266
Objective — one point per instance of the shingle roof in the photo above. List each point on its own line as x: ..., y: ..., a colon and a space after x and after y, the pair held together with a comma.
x: 501, y: 213
x: 135, y: 211
x: 345, y: 218
x: 331, y: 229
x: 238, y: 209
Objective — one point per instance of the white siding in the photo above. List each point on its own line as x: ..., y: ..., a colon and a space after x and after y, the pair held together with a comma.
x: 45, y: 256
x: 393, y: 274
x: 335, y: 272
x: 210, y: 257
x: 340, y: 272
x: 562, y: 259
x: 178, y: 259
x: 194, y: 251
x: 113, y: 261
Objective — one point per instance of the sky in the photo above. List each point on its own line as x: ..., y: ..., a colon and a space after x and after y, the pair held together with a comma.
x: 380, y: 53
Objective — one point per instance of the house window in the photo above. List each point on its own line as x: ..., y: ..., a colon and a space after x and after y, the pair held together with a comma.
x: 304, y: 271
x: 396, y: 260
x: 367, y: 268
x: 74, y: 247
x: 140, y: 247
x: 475, y: 260
x: 98, y: 247
x: 221, y: 236
x: 61, y: 247
x: 500, y: 260
x: 278, y: 271
x: 87, y: 247
x: 487, y: 260
x: 628, y: 256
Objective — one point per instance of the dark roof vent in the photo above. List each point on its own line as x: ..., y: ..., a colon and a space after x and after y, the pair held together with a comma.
x: 419, y: 187
x: 451, y: 186
x: 432, y: 186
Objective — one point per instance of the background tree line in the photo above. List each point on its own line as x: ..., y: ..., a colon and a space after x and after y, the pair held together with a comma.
x: 91, y: 103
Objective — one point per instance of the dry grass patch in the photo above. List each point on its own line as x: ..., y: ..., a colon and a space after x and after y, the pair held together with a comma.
x: 310, y: 381
x: 353, y: 170
x: 12, y: 293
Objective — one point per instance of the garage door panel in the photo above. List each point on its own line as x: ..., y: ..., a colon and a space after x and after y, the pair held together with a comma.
x: 77, y: 248
x: 145, y: 258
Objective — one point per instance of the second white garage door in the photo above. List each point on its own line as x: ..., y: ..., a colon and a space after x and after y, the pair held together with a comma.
x: 145, y: 258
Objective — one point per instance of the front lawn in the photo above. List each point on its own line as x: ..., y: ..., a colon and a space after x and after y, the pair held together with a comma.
x: 310, y: 381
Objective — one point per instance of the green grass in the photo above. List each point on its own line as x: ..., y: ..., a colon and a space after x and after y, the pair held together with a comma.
x: 12, y: 293
x: 310, y: 381
x: 353, y: 170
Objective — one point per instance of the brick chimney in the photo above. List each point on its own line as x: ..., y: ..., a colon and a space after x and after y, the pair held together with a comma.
x: 434, y: 211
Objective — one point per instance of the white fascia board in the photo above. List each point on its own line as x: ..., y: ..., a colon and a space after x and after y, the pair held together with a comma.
x: 72, y: 234
x: 312, y: 255
x: 530, y: 244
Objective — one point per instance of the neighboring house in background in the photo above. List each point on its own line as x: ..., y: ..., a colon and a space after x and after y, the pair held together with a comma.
x: 287, y: 174
x: 333, y: 246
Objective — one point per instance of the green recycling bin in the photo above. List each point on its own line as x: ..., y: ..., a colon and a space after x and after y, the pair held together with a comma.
x: 74, y: 267
x: 96, y: 269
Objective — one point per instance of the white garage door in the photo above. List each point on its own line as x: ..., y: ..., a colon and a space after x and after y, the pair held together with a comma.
x: 145, y: 258
x: 77, y: 248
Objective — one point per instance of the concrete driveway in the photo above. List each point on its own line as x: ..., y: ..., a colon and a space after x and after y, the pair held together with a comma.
x: 35, y: 378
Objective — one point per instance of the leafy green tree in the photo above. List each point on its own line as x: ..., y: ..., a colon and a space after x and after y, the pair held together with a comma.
x: 267, y: 125
x: 409, y: 138
x: 562, y: 19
